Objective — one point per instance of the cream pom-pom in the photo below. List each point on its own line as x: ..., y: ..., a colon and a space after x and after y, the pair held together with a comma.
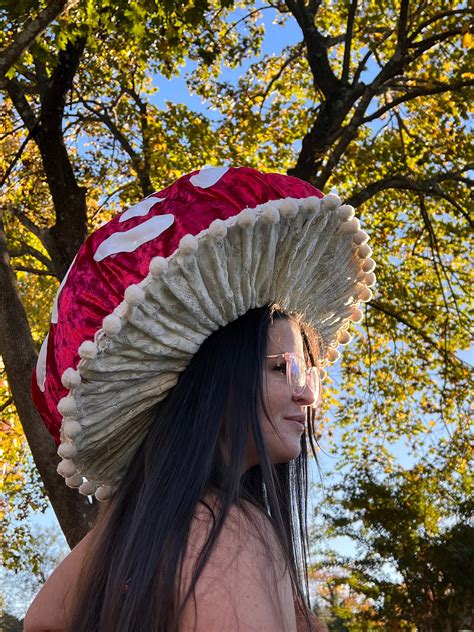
x: 67, y: 406
x: 67, y: 451
x: 246, y: 218
x: 188, y: 245
x: 351, y: 226
x: 365, y: 295
x: 74, y: 481
x: 66, y: 468
x: 368, y: 265
x: 104, y: 492
x: 288, y: 207
x: 345, y: 212
x: 112, y: 325
x: 360, y: 238
x: 311, y: 203
x: 70, y: 378
x: 72, y: 429
x: 158, y: 265
x: 332, y: 354
x: 344, y: 337
x: 356, y: 315
x: 87, y: 488
x: 322, y: 375
x: 270, y: 213
x: 87, y: 350
x: 217, y: 229
x: 134, y: 295
x: 330, y: 202
x: 370, y: 279
x: 364, y: 251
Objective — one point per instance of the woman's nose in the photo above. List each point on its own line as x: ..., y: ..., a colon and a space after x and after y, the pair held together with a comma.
x: 307, y: 397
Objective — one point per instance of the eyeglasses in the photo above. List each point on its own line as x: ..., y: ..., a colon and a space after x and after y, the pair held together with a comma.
x: 298, y: 375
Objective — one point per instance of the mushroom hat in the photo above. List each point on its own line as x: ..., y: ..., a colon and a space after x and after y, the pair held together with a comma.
x: 148, y: 287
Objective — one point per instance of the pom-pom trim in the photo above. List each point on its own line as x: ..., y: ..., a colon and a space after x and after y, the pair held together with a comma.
x: 67, y: 451
x: 288, y: 207
x: 158, y: 265
x: 74, y: 481
x: 67, y: 406
x: 310, y: 204
x: 66, y: 468
x: 72, y: 429
x: 70, y: 378
x: 217, y: 229
x: 134, y: 295
x: 360, y: 238
x: 112, y: 325
x: 88, y: 350
x: 345, y: 212
x: 88, y: 488
x: 330, y: 202
x: 188, y: 245
x: 246, y: 218
x: 351, y: 226
x: 104, y: 492
x: 270, y: 214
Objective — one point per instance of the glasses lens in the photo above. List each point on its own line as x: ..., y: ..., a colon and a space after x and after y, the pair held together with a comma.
x: 297, y: 374
x: 313, y: 382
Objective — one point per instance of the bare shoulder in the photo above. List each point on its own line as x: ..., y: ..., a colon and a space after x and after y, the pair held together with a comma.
x: 48, y: 611
x: 244, y: 585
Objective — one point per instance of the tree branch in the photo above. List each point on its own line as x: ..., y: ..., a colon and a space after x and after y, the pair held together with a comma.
x: 434, y: 18
x: 248, y: 15
x: 26, y: 221
x: 32, y: 29
x: 17, y: 95
x: 33, y: 252
x: 6, y: 404
x: 403, y: 182
x: 16, y: 158
x: 316, y: 46
x: 37, y: 271
x: 348, y: 41
x: 414, y: 94
x: 402, y: 26
x: 424, y: 45
x: 389, y: 311
x: 142, y: 171
x: 277, y: 76
x: 54, y: 98
x: 361, y: 66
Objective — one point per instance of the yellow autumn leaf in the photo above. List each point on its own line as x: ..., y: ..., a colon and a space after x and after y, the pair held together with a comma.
x: 467, y: 40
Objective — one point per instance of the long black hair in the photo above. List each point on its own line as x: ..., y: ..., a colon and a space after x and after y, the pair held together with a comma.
x: 196, y: 444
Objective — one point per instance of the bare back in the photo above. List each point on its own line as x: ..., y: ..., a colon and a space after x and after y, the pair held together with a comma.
x: 240, y: 588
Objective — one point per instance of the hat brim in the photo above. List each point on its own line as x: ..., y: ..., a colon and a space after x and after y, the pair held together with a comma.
x: 307, y: 255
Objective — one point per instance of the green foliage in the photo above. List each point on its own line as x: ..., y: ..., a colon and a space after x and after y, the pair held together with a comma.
x: 399, y: 152
x: 414, y: 545
x: 44, y: 549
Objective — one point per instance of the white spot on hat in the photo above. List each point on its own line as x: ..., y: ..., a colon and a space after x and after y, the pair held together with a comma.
x: 54, y: 314
x: 130, y: 240
x: 208, y: 176
x: 141, y: 208
x: 41, y: 365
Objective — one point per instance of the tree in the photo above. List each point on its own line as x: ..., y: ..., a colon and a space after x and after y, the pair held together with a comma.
x: 372, y: 101
x: 415, y: 546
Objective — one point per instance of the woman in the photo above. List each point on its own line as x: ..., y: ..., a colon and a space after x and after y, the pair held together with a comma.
x: 192, y: 401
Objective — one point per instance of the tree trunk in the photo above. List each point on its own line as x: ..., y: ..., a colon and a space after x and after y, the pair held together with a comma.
x: 74, y: 512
